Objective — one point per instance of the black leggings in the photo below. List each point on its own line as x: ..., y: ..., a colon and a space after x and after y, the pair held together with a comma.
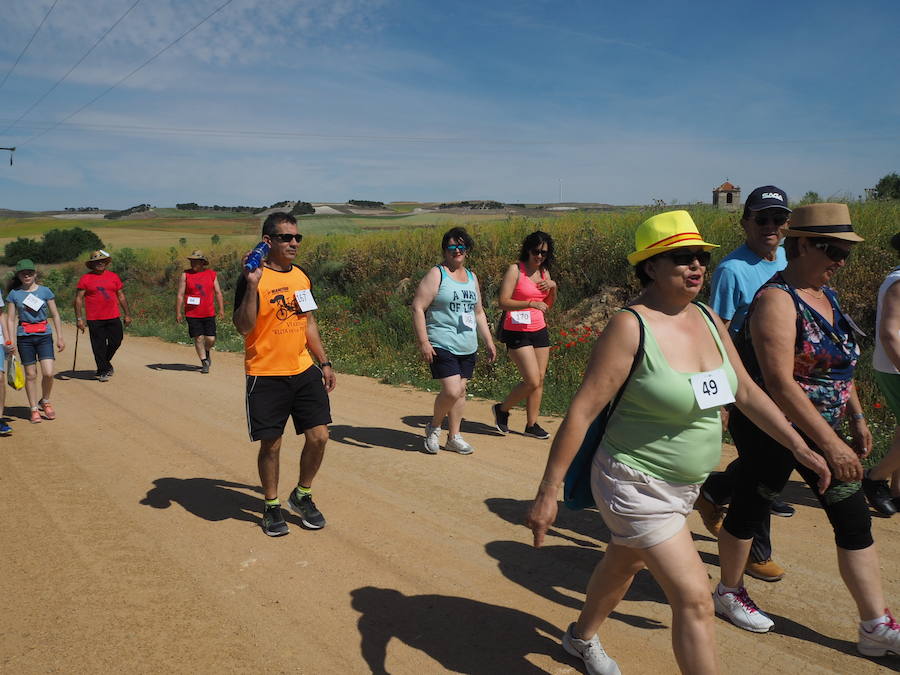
x: 764, y: 470
x: 106, y: 336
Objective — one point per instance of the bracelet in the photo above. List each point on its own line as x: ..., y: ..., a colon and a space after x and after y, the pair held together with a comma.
x: 547, y: 483
x: 857, y: 416
x: 8, y: 343
x: 326, y: 364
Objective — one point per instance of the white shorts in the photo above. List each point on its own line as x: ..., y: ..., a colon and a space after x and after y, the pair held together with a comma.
x: 640, y: 511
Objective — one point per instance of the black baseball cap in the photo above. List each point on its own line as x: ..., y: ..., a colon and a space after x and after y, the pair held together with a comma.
x: 767, y: 197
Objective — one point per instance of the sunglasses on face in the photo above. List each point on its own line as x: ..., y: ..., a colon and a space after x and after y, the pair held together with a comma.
x: 540, y: 252
x: 687, y: 257
x: 285, y: 237
x: 834, y: 253
x: 456, y: 248
x: 777, y: 220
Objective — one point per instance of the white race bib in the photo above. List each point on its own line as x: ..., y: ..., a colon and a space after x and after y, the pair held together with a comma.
x: 468, y: 319
x: 305, y: 300
x: 33, y: 302
x: 522, y: 318
x: 712, y: 389
x: 193, y: 300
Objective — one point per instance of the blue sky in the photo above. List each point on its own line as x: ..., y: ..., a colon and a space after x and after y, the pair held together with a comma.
x: 329, y: 100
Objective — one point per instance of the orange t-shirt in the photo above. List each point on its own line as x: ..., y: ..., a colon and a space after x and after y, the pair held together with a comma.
x: 277, y: 344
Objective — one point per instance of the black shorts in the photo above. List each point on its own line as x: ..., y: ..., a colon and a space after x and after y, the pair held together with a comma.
x: 271, y: 399
x: 446, y: 364
x: 514, y: 339
x: 201, y: 326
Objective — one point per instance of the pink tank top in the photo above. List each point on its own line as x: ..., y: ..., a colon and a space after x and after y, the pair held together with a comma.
x: 526, y: 320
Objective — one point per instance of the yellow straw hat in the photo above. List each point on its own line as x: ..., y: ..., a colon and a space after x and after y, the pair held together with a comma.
x: 665, y: 232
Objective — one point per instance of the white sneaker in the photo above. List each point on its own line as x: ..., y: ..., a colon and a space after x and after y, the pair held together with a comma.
x: 457, y: 444
x: 432, y: 440
x: 740, y: 610
x: 596, y: 660
x: 884, y: 638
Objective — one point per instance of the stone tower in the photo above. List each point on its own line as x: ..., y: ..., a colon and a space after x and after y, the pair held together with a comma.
x: 727, y: 196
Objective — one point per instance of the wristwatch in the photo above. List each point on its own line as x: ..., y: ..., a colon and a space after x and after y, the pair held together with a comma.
x: 327, y: 364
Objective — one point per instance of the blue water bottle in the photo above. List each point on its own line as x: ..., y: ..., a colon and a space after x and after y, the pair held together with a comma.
x: 254, y: 260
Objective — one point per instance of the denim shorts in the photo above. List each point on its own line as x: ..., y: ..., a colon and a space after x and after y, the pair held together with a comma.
x: 34, y: 348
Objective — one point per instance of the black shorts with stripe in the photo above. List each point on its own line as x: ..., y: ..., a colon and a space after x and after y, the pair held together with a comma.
x: 271, y: 399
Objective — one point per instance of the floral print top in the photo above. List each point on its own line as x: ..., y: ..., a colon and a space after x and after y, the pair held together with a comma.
x: 825, y: 354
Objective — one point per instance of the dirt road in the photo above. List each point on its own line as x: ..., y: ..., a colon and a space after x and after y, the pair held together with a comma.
x: 130, y: 540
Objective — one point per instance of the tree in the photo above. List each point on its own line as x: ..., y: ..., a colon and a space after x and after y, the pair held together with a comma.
x: 810, y: 198
x: 21, y: 248
x: 302, y: 208
x: 182, y: 241
x: 215, y: 239
x: 889, y: 187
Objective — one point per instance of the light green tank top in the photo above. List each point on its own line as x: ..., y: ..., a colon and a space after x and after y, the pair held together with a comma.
x: 658, y: 427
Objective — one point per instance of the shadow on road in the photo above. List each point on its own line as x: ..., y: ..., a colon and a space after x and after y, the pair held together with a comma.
x: 370, y: 437
x: 211, y: 499
x: 76, y: 375
x: 462, y: 635
x: 467, y: 426
x: 173, y: 366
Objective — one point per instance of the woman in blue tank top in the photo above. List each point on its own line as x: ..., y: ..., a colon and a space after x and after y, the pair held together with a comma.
x: 447, y: 317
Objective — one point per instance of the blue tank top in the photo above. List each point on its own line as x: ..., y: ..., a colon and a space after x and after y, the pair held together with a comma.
x: 450, y: 319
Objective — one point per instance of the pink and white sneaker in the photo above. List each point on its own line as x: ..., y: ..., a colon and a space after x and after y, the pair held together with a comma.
x: 884, y: 638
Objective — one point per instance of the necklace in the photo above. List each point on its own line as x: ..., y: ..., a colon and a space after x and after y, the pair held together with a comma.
x: 811, y: 294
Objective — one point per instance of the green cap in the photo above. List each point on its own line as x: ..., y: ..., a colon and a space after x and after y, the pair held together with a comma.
x: 24, y: 264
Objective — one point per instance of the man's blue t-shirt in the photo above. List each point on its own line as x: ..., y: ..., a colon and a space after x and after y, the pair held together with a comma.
x: 28, y: 314
x: 736, y: 280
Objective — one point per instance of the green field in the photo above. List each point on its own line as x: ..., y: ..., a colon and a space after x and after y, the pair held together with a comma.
x: 366, y: 268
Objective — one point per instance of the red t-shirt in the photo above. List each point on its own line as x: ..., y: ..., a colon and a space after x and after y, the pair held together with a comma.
x: 199, y: 288
x: 100, y: 299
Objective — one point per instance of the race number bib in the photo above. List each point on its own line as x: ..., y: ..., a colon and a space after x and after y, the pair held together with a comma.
x: 33, y: 302
x: 522, y: 318
x: 305, y: 300
x: 468, y: 319
x: 712, y: 389
x: 193, y: 300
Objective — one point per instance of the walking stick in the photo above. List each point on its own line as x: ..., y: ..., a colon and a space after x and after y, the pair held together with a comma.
x: 75, y: 355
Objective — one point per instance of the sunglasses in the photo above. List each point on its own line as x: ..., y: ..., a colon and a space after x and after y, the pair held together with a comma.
x: 834, y: 253
x: 285, y: 237
x: 457, y: 248
x: 778, y: 220
x: 687, y: 257
x: 540, y: 252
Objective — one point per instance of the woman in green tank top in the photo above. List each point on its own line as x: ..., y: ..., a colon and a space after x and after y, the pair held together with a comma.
x: 660, y: 442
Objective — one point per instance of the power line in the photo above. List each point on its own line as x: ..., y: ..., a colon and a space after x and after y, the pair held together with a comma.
x: 25, y: 48
x: 69, y: 72
x: 133, y: 72
x: 300, y: 135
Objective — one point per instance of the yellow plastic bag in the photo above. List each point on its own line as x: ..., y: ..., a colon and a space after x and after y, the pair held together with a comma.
x: 15, y: 374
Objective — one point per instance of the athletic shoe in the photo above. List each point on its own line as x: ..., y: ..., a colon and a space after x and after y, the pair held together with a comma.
x: 780, y: 508
x: 5, y: 429
x: 36, y: 416
x: 432, y: 439
x: 739, y: 609
x: 535, y: 431
x: 457, y: 444
x: 879, y: 495
x: 501, y: 419
x: 596, y: 660
x: 103, y: 377
x: 273, y: 522
x: 767, y: 570
x: 304, y: 507
x: 711, y: 513
x: 47, y: 409
x: 204, y: 365
x: 884, y: 638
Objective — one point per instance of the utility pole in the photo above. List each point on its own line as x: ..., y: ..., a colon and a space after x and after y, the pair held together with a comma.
x: 560, y: 190
x: 11, y: 151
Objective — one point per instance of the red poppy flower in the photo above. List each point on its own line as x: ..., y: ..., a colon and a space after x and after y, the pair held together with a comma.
x: 877, y: 405
x: 563, y: 333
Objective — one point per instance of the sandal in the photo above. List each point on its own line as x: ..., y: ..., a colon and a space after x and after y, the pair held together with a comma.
x: 36, y: 416
x: 49, y: 412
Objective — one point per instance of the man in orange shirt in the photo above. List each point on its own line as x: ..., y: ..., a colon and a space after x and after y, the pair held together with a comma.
x: 273, y: 307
